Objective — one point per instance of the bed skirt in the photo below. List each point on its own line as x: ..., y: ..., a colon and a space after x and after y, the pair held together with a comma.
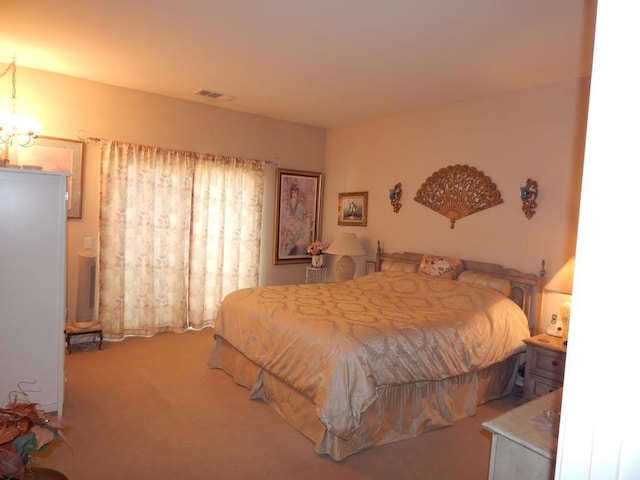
x: 400, y: 412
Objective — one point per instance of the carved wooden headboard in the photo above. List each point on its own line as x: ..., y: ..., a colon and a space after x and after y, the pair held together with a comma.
x: 526, y: 288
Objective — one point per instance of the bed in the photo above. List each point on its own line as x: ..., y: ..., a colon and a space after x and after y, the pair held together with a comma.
x: 413, y: 347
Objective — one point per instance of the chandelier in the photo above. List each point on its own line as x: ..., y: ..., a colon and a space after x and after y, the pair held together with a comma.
x: 14, y: 128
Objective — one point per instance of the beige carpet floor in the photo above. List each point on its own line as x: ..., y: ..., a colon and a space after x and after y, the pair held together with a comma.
x: 150, y: 408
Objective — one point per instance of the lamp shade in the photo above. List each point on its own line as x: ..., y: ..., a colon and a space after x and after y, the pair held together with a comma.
x: 562, y: 282
x: 346, y: 244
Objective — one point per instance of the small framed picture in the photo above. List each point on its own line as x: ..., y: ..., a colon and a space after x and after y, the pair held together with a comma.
x: 370, y: 267
x: 352, y: 209
x: 53, y: 154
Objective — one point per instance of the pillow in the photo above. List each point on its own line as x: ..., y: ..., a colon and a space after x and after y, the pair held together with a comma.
x: 443, y: 267
x: 398, y: 266
x: 502, y: 285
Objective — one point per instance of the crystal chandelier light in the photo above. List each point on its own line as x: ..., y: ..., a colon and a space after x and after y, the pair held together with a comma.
x: 15, y: 128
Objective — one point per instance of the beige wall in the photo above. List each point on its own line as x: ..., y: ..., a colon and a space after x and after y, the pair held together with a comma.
x: 65, y: 105
x: 537, y: 133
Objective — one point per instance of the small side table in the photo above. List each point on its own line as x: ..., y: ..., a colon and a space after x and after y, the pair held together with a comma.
x: 93, y: 327
x: 525, y: 440
x: 316, y: 275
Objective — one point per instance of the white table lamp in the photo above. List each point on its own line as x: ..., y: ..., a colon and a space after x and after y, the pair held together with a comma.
x: 562, y: 282
x: 347, y: 245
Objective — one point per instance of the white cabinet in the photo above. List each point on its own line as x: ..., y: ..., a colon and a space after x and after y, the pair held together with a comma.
x: 525, y: 439
x: 33, y: 221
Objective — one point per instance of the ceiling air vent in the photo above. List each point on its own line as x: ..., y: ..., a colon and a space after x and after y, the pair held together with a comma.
x: 221, y: 97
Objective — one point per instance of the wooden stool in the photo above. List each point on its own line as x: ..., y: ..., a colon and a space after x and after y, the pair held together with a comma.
x: 83, y: 328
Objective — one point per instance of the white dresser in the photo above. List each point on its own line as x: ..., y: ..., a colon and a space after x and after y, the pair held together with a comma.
x: 524, y: 443
x: 33, y: 221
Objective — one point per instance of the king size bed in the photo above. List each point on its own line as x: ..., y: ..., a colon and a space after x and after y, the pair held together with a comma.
x: 413, y: 347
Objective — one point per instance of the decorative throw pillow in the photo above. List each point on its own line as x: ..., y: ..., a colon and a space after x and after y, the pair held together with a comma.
x: 502, y: 285
x: 443, y: 267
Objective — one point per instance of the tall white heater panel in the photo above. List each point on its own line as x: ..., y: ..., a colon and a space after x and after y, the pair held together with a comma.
x: 86, y: 287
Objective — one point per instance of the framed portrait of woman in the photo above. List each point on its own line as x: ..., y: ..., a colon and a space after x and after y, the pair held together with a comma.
x: 297, y: 216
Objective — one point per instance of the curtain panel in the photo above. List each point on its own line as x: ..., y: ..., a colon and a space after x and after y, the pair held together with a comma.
x: 178, y: 231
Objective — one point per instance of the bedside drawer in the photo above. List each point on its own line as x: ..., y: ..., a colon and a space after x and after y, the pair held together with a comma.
x: 544, y: 368
x: 542, y: 386
x: 548, y: 364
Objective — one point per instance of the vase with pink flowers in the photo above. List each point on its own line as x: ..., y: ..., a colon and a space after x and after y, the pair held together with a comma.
x: 316, y: 250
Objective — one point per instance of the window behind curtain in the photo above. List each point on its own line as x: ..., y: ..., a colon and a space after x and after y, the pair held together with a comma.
x: 178, y: 231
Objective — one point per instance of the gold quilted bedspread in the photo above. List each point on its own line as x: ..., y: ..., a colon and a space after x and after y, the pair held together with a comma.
x: 338, y: 343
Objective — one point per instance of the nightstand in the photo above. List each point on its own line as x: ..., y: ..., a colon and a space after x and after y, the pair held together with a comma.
x: 316, y: 275
x: 544, y: 368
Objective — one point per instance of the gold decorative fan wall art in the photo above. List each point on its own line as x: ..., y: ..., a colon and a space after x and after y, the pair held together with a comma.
x: 457, y: 191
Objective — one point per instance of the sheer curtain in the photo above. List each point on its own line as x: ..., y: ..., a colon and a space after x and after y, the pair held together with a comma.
x: 178, y: 231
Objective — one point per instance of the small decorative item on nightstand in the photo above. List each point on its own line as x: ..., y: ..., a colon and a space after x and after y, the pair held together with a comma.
x: 317, y: 261
x: 544, y: 368
x: 316, y: 250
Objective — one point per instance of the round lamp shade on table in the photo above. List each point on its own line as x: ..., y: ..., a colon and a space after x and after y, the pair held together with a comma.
x: 346, y: 245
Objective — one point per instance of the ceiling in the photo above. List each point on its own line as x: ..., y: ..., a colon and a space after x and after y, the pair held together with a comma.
x: 324, y: 63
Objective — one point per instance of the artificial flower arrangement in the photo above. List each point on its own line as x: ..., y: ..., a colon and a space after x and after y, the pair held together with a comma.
x: 24, y: 429
x: 317, y: 248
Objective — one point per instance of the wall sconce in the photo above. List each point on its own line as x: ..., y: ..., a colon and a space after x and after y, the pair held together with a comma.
x: 528, y: 195
x: 16, y: 128
x: 395, y: 195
